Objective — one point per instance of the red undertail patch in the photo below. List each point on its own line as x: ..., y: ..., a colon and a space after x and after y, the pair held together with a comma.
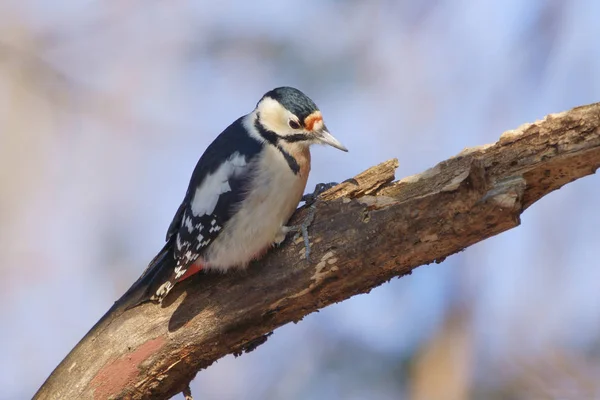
x: 192, y: 270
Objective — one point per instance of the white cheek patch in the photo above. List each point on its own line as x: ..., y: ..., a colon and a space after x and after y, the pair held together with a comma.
x: 214, y: 185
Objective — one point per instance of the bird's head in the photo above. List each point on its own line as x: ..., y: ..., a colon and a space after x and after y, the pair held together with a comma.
x: 294, y: 118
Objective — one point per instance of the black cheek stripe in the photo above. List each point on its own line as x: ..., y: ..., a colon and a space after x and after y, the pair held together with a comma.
x: 297, y: 137
x: 273, y: 139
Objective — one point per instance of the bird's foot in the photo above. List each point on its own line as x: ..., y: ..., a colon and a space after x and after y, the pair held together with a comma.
x: 310, y: 200
x: 302, y: 229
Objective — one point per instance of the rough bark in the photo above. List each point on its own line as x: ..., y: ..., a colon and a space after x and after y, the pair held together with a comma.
x: 366, y: 231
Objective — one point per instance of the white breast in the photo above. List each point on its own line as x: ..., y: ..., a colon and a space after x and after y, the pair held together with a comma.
x: 276, y: 192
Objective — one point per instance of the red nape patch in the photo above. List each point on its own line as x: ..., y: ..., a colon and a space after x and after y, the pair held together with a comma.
x: 117, y: 375
x: 192, y: 270
x: 311, y: 120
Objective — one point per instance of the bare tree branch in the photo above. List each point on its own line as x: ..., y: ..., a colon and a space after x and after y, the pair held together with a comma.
x: 366, y: 231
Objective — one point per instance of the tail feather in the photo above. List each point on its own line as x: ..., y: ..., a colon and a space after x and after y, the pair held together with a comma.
x: 158, y: 272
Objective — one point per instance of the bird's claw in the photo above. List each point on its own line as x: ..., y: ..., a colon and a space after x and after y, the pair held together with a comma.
x: 311, y: 198
x: 310, y: 201
x: 302, y: 229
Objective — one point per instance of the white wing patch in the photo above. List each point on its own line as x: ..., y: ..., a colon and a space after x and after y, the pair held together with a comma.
x: 187, y: 221
x: 214, y: 227
x: 214, y: 185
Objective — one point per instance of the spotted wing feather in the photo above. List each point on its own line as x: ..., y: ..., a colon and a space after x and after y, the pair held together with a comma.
x: 218, y: 185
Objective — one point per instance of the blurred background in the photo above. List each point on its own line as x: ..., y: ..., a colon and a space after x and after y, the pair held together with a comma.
x: 105, y: 107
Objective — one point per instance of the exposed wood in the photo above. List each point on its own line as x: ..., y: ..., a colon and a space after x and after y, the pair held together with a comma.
x: 366, y: 231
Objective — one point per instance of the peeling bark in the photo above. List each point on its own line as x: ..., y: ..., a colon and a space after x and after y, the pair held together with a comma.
x: 367, y: 230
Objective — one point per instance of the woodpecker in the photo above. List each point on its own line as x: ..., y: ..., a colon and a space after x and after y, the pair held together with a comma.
x: 243, y: 191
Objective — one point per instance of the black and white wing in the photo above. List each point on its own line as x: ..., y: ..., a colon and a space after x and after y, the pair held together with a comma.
x: 211, y: 204
x: 217, y: 186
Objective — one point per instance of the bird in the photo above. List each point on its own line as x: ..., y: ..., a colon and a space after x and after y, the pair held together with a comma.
x: 241, y: 194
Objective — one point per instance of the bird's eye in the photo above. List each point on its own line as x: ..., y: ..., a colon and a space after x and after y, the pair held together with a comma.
x: 293, y: 124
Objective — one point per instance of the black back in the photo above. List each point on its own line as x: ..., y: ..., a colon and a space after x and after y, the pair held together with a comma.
x: 233, y: 139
